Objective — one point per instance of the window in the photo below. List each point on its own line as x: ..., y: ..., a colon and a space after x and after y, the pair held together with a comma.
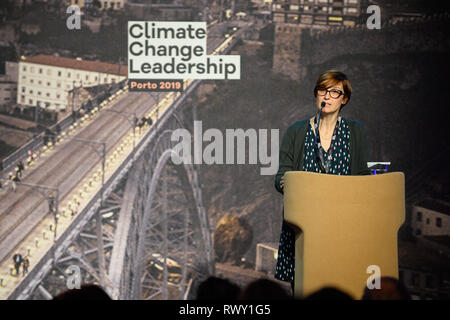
x: 419, y: 216
x: 58, y: 96
x: 40, y: 70
x: 48, y: 84
x: 30, y: 101
x: 31, y: 81
x: 31, y: 91
x: 24, y: 68
x: 39, y: 93
x: 68, y: 75
x: 48, y: 94
x: 58, y: 84
x: 59, y: 73
x: 439, y: 222
x: 428, y: 220
x: 415, y: 279
x: 39, y: 82
x: 23, y: 89
x: 87, y: 77
x: 418, y: 232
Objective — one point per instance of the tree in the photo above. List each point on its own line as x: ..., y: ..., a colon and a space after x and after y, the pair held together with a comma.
x: 232, y: 238
x: 96, y: 4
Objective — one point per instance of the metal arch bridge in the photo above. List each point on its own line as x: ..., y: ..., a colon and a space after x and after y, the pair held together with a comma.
x: 147, y: 239
x: 144, y: 234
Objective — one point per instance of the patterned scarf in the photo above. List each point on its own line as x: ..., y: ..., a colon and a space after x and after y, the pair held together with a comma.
x: 334, y: 161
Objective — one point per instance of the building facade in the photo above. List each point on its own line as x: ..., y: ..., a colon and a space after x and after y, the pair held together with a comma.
x: 161, y: 10
x: 46, y: 80
x: 8, y: 84
x: 8, y: 92
x: 317, y: 12
x: 266, y: 257
x: 431, y: 218
x: 423, y: 269
x: 104, y: 4
x: 112, y: 4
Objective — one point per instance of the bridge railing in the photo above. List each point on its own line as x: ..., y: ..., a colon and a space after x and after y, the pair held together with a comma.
x: 37, y: 142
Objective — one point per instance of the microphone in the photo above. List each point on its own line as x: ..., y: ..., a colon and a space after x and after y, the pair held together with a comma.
x: 318, y: 154
x: 322, y: 105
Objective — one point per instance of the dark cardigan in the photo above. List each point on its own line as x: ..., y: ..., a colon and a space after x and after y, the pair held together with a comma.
x: 293, y: 144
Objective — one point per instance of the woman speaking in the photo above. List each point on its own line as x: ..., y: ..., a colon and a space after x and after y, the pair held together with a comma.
x: 326, y: 143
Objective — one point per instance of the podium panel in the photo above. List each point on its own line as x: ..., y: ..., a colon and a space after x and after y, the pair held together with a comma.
x: 343, y: 224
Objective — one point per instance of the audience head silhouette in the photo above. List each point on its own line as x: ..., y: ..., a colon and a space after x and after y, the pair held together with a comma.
x: 390, y: 289
x: 218, y: 289
x: 86, y: 292
x: 264, y: 289
x: 329, y: 293
x: 214, y: 288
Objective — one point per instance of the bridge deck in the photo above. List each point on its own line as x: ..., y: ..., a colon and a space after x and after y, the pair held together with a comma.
x: 25, y: 216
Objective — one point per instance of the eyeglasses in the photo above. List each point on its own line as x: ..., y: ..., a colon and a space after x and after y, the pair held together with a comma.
x: 334, y: 93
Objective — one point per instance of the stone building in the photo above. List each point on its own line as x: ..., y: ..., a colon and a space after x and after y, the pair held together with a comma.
x: 287, y: 46
x: 431, y: 218
x: 169, y: 10
x: 293, y: 17
x: 8, y: 85
x: 46, y: 80
x: 317, y: 12
x: 104, y: 4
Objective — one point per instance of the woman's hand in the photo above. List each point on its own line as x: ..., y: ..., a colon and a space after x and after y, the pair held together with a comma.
x: 282, y: 182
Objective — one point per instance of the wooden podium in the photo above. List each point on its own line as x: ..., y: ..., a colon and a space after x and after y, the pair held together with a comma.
x: 343, y: 225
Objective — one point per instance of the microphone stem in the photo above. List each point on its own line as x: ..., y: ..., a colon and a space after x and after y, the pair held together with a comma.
x: 322, y: 169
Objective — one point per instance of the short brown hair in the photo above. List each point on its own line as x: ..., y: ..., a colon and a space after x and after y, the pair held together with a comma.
x: 332, y: 77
